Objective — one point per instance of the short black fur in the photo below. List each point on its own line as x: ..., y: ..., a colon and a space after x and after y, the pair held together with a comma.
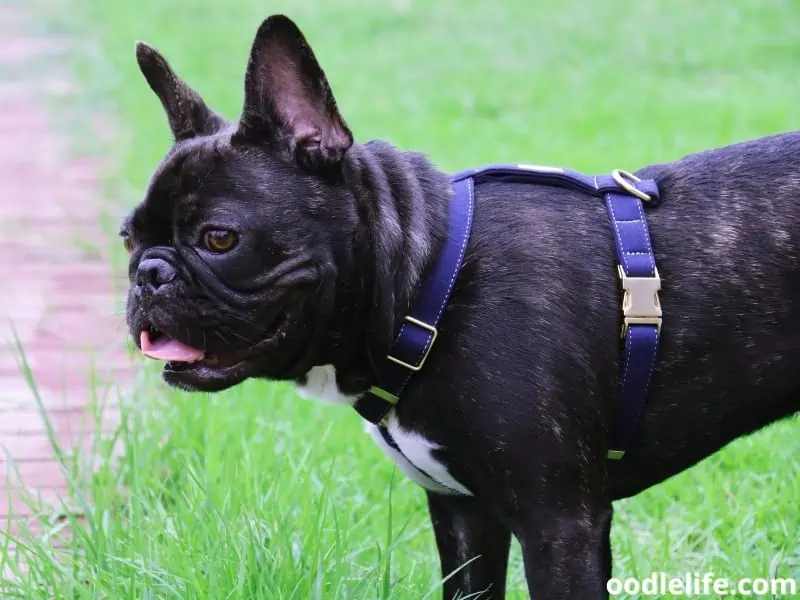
x: 522, y: 386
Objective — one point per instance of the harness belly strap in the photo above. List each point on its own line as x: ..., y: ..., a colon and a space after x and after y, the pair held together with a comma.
x: 624, y: 195
x: 641, y: 311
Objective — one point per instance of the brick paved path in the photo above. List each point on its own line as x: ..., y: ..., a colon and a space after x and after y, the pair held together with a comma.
x: 57, y: 296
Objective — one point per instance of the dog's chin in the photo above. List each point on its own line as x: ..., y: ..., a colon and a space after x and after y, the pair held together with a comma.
x: 202, y: 377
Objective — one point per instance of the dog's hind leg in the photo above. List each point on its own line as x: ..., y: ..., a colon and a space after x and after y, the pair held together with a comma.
x: 472, y: 542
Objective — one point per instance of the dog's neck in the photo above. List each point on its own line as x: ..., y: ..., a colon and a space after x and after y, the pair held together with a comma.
x: 402, y: 200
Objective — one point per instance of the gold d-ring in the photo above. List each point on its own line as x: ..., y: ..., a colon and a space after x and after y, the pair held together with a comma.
x: 622, y: 177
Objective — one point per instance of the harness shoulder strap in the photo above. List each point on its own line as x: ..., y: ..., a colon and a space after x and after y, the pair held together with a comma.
x: 417, y: 333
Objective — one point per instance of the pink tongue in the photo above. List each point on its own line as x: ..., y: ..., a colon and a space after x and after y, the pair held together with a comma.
x: 165, y: 348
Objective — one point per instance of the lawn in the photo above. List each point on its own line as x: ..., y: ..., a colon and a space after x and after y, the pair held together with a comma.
x: 257, y: 494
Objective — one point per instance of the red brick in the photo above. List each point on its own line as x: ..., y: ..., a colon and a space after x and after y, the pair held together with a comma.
x: 58, y: 290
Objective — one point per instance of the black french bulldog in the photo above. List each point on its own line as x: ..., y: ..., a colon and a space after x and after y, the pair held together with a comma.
x: 276, y: 247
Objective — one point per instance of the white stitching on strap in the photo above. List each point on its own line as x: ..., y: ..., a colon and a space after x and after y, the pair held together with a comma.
x: 610, y: 203
x: 647, y: 237
x: 647, y: 385
x: 471, y: 192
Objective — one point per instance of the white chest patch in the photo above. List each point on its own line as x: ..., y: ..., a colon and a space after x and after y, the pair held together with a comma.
x: 321, y: 385
x: 415, y: 458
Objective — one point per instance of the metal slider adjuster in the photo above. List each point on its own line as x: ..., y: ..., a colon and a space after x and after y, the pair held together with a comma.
x: 384, y: 395
x: 429, y: 328
x: 640, y: 303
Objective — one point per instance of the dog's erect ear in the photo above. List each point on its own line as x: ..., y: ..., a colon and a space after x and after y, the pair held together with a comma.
x: 188, y: 115
x: 288, y: 101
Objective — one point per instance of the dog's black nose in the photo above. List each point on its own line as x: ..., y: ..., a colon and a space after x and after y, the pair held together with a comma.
x: 154, y: 272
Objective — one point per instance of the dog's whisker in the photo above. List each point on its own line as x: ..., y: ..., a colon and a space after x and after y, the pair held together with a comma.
x: 248, y: 322
x: 241, y: 337
x: 222, y: 337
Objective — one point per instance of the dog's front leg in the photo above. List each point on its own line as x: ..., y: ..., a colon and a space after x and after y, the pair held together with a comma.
x: 466, y: 532
x: 567, y: 555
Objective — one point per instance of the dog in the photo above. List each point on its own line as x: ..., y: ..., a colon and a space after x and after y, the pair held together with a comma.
x: 276, y: 247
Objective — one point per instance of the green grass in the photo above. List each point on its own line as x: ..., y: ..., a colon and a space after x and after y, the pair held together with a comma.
x: 255, y: 493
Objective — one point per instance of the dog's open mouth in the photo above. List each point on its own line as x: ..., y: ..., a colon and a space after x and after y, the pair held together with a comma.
x: 179, y: 356
x: 159, y: 346
x: 197, y: 368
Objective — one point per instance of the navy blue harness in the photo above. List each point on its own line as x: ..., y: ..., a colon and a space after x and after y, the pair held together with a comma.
x: 624, y: 196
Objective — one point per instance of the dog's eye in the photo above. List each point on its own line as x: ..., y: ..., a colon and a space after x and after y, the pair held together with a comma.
x: 219, y: 240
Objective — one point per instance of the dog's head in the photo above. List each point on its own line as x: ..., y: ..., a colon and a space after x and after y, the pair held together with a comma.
x: 233, y: 251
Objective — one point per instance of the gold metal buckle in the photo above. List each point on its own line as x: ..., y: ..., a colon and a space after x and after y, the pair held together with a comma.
x: 640, y: 304
x: 615, y: 454
x: 432, y: 330
x: 623, y: 179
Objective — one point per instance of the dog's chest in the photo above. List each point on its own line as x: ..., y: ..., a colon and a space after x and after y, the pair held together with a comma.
x: 412, y: 452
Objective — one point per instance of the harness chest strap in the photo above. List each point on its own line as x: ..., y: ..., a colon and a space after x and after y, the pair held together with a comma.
x: 624, y: 195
